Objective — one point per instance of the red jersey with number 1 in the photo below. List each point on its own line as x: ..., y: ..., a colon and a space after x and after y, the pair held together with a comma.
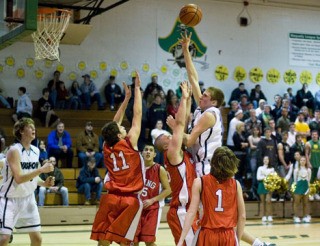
x: 125, y: 167
x: 152, y: 186
x: 219, y: 200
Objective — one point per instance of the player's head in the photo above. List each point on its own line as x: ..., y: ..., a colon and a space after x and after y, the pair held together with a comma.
x: 24, y: 128
x: 224, y: 163
x: 212, y: 96
x: 148, y: 153
x: 162, y: 142
x: 112, y: 133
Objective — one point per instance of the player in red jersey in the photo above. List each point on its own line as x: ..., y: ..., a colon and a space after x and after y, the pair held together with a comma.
x: 120, y: 210
x: 180, y: 168
x: 224, y: 212
x: 156, y: 188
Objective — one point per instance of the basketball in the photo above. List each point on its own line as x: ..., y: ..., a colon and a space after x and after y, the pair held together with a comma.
x: 190, y: 15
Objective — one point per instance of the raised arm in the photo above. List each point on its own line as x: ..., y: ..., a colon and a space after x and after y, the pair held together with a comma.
x: 174, y: 153
x: 191, y: 70
x: 241, y: 212
x: 135, y: 130
x: 122, y: 109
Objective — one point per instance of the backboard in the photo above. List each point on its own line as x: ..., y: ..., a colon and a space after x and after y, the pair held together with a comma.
x: 18, y: 19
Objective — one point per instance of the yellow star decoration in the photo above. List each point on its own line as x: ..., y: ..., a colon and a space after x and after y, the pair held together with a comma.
x: 10, y: 61
x: 318, y: 78
x: 240, y: 74
x: 30, y: 62
x: 20, y: 73
x: 256, y: 74
x: 124, y: 65
x: 72, y: 76
x: 145, y: 67
x: 164, y: 69
x: 305, y: 77
x: 221, y: 73
x: 93, y: 74
x: 273, y: 76
x: 114, y: 72
x: 103, y: 66
x: 290, y: 77
x: 48, y: 63
x: 38, y: 73
x: 82, y: 65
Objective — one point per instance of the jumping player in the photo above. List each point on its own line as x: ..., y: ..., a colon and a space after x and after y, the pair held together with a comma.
x: 18, y: 207
x: 156, y: 188
x: 180, y: 168
x: 120, y: 210
x: 222, y: 200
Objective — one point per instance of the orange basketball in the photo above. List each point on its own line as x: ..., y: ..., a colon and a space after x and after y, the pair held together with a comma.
x: 190, y: 15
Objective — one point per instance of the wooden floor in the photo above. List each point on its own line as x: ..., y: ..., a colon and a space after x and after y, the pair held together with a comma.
x: 282, y: 232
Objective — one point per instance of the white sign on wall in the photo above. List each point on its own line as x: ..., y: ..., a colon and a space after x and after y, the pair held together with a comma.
x: 304, y: 50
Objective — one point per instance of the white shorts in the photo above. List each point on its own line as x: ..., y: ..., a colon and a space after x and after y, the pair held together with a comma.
x: 21, y: 213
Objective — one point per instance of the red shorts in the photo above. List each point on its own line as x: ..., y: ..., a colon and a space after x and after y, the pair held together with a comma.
x: 148, y: 226
x: 215, y: 237
x: 175, y: 218
x: 117, y: 218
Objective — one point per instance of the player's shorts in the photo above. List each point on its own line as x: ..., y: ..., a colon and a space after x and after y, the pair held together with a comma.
x: 148, y: 226
x: 117, y: 218
x: 212, y: 237
x: 21, y: 213
x: 175, y: 219
x: 203, y: 168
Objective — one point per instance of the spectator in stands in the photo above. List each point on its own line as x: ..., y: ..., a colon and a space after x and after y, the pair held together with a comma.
x: 157, y: 112
x: 284, y: 122
x: 314, y: 124
x: 267, y: 147
x: 232, y: 128
x: 153, y: 85
x: 246, y: 113
x: 240, y: 150
x: 275, y: 134
x: 58, y: 186
x: 150, y: 98
x: 4, y: 100
x: 297, y: 146
x: 46, y: 113
x: 113, y: 92
x: 170, y: 93
x: 265, y: 116
x: 172, y: 106
x: 243, y: 104
x: 59, y: 145
x: 88, y: 146
x: 292, y: 109
x: 234, y: 108
x: 276, y: 107
x: 75, y: 96
x: 24, y: 105
x: 89, y: 181
x: 53, y: 86
x: 291, y: 96
x: 237, y: 92
x: 317, y: 100
x: 2, y: 140
x: 63, y: 98
x: 256, y: 95
x: 306, y: 115
x: 304, y: 97
x: 252, y: 122
x: 260, y: 108
x: 90, y: 93
x: 302, y: 127
x: 291, y: 134
x: 43, y: 151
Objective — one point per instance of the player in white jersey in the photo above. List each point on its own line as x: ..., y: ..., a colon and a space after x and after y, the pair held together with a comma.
x: 20, y: 173
x: 205, y: 134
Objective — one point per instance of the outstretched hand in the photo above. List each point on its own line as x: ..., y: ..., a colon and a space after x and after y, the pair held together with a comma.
x: 127, y: 90
x: 185, y: 40
x: 137, y: 81
x: 171, y: 122
x: 185, y: 89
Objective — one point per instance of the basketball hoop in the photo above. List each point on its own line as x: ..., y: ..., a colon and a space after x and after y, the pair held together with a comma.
x: 52, y: 24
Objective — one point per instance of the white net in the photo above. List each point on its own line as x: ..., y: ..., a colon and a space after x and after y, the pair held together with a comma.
x: 51, y: 28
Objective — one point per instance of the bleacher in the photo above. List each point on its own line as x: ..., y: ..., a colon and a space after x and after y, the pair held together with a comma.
x: 77, y: 213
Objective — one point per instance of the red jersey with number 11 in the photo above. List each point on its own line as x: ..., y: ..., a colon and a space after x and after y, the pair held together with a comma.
x: 125, y: 167
x: 219, y: 200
